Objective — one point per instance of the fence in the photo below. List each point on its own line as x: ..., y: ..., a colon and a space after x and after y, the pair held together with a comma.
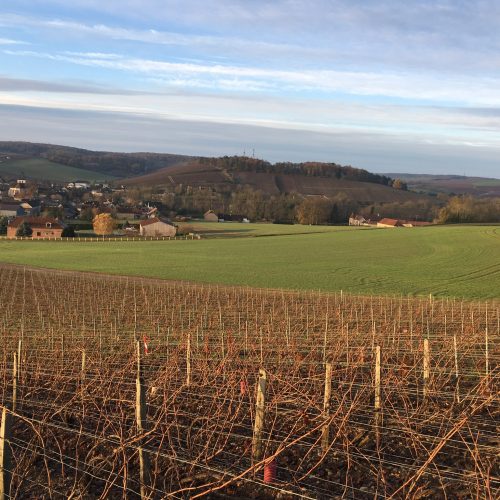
x: 108, y: 239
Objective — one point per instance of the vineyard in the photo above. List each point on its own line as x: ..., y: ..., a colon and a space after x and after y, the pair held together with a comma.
x: 118, y: 387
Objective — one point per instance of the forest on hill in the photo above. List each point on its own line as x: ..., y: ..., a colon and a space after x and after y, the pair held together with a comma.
x: 105, y: 162
x: 308, y: 169
x: 128, y: 165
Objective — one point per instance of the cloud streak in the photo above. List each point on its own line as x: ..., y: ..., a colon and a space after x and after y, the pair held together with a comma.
x: 9, y: 41
x: 28, y: 85
x: 467, y: 90
x: 375, y: 151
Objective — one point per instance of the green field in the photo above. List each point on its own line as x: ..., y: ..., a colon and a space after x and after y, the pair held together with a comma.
x: 459, y: 261
x: 42, y: 169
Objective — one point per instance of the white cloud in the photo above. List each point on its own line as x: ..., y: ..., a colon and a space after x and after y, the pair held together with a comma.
x: 9, y: 41
x: 418, y: 87
x: 125, y: 132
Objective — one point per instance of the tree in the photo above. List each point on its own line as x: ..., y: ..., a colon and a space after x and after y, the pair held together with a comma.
x: 314, y: 211
x: 103, y: 224
x: 399, y: 184
x: 3, y: 225
x: 24, y: 230
x: 464, y: 209
x: 68, y: 232
x: 54, y: 212
x: 86, y: 214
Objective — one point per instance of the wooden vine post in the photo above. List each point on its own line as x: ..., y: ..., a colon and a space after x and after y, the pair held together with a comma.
x: 140, y: 415
x: 15, y: 375
x: 5, y: 454
x: 260, y: 413
x: 486, y: 349
x: 377, y: 405
x: 5, y: 438
x: 426, y: 367
x: 188, y: 360
x: 82, y: 371
x: 325, y: 433
x: 457, y: 386
x: 19, y: 353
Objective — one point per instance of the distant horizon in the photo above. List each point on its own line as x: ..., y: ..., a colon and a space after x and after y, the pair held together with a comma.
x: 405, y: 86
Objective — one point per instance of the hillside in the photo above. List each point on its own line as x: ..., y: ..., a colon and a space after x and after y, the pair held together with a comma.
x: 451, y: 184
x: 199, y: 174
x: 110, y: 164
x: 19, y: 166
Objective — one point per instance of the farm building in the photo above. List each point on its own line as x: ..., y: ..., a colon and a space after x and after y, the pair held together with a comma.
x: 357, y: 220
x: 390, y: 223
x: 156, y: 227
x: 31, y: 207
x: 19, y: 190
x: 127, y: 214
x: 11, y: 210
x: 211, y: 216
x: 43, y: 227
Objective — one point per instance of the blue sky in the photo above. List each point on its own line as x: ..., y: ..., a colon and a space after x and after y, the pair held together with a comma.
x: 389, y: 86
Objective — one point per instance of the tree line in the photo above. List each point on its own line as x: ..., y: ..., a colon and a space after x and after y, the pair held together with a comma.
x: 309, y: 169
x: 466, y: 209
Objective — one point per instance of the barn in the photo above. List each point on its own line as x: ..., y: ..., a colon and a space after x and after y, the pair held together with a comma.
x: 43, y: 227
x: 156, y: 227
x: 211, y: 216
x: 390, y: 223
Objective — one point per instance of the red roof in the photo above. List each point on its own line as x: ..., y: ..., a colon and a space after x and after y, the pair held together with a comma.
x: 37, y: 222
x: 153, y: 220
x: 390, y: 222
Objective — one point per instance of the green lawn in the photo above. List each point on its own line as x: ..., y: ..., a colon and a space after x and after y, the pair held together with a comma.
x: 40, y: 168
x: 460, y: 261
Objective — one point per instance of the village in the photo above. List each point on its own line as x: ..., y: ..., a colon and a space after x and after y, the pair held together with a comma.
x: 58, y: 210
x: 38, y: 210
x: 42, y: 210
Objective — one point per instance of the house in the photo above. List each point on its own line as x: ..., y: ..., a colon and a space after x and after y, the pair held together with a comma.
x: 127, y: 214
x: 78, y: 185
x: 31, y: 207
x: 389, y: 223
x: 70, y: 212
x: 156, y: 227
x: 43, y: 227
x: 11, y: 210
x: 211, y: 216
x: 357, y: 220
x: 19, y: 190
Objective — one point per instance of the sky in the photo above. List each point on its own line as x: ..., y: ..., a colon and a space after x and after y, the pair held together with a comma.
x: 386, y: 85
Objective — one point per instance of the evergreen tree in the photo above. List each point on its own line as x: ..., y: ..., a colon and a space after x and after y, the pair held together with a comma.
x: 24, y: 230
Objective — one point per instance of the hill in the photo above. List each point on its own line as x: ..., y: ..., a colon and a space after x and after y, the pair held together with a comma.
x: 19, y: 166
x: 451, y: 184
x: 310, y: 179
x: 110, y: 164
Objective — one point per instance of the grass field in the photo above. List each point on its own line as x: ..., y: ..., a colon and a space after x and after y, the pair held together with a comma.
x: 459, y: 261
x: 40, y: 168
